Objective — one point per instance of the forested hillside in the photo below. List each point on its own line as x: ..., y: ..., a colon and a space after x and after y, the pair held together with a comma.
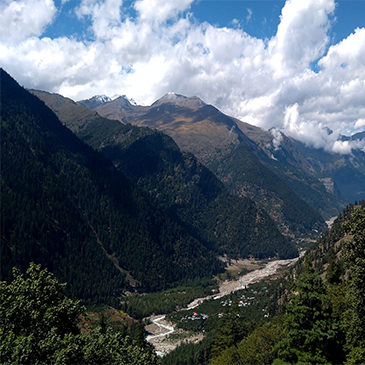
x: 66, y: 206
x: 281, y: 155
x: 323, y: 320
x: 217, y: 142
x: 316, y: 309
x: 190, y: 192
x: 183, y: 187
x: 245, y: 175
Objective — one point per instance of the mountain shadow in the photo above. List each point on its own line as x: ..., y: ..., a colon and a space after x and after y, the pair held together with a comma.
x: 67, y: 207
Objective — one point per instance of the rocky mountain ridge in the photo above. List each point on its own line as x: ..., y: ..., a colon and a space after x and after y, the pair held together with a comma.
x: 183, y: 119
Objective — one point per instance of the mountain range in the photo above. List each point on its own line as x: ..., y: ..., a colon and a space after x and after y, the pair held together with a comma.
x: 272, y: 169
x: 145, y: 198
x: 185, y: 188
x: 110, y: 207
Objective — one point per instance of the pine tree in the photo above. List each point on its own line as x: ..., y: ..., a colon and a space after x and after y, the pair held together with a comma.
x: 314, y: 335
x: 355, y: 262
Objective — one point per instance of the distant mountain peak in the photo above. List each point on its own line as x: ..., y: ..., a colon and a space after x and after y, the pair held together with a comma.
x: 355, y: 137
x: 95, y: 101
x: 98, y: 100
x: 130, y: 100
x: 102, y: 98
x: 171, y: 95
x: 181, y: 100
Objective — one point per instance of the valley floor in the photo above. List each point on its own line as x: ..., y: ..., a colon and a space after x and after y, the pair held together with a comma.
x: 163, y: 334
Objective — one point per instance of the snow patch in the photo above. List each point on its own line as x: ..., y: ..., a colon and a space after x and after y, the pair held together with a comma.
x: 173, y: 96
x: 130, y: 100
x: 102, y: 98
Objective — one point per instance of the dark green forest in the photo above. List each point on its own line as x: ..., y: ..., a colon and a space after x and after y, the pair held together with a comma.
x: 65, y: 206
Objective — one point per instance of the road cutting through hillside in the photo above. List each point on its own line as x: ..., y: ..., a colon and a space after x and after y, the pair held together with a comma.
x: 161, y: 328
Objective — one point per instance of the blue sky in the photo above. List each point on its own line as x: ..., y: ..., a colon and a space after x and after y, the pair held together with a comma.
x: 258, y: 18
x: 296, y: 65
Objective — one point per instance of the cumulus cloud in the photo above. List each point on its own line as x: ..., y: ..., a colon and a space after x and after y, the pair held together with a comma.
x: 162, y: 48
x: 302, y: 34
x: 160, y: 10
x: 360, y: 123
x: 24, y: 18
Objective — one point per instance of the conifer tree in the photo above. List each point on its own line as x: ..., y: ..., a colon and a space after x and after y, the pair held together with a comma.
x: 355, y: 262
x: 314, y: 335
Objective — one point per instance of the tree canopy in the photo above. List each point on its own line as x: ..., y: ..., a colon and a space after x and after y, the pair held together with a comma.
x: 355, y: 262
x: 39, y: 326
x: 314, y: 335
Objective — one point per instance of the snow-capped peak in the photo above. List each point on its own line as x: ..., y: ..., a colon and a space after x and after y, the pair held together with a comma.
x: 132, y: 101
x: 172, y: 96
x: 99, y: 100
x: 103, y: 99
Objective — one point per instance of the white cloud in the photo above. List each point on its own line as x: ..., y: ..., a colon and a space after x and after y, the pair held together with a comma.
x: 347, y: 57
x: 346, y: 147
x: 266, y: 82
x: 160, y: 10
x: 106, y: 16
x: 249, y: 15
x: 302, y: 34
x: 360, y: 123
x: 278, y: 138
x: 24, y: 18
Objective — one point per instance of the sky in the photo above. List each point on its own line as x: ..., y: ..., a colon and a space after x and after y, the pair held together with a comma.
x: 296, y: 66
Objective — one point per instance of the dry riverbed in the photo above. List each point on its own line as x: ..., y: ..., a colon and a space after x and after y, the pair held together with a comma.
x: 162, y: 333
x: 165, y: 337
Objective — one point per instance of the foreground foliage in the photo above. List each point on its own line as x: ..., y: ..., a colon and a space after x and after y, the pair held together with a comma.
x: 355, y: 261
x: 39, y: 326
x: 314, y: 335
